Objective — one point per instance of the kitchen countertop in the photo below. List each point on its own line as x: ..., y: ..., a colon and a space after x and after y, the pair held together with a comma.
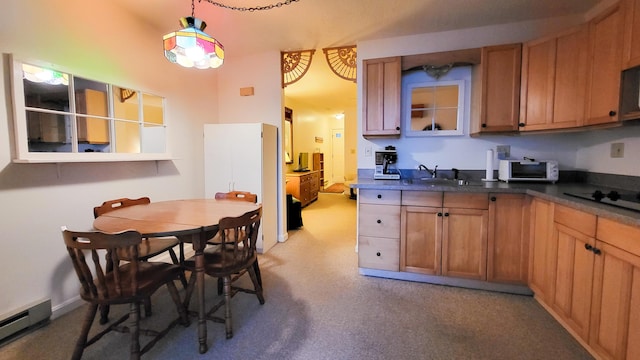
x: 547, y: 191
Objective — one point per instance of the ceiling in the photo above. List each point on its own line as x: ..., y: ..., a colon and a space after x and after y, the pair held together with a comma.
x: 317, y: 24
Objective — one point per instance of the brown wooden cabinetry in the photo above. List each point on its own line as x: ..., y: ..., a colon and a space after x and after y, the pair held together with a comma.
x: 379, y: 229
x: 573, y: 235
x: 444, y: 234
x: 553, y: 81
x: 631, y: 45
x: 603, y: 76
x: 381, y: 97
x: 508, y: 239
x: 318, y: 165
x: 615, y: 314
x: 541, y: 249
x: 499, y: 80
x: 303, y: 186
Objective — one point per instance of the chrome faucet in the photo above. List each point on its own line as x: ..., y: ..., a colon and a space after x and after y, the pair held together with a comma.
x: 433, y: 173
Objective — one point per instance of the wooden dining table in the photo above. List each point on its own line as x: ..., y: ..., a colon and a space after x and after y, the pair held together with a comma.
x: 191, y: 221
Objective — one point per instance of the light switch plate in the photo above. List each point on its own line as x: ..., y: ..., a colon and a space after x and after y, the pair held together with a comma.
x: 617, y: 150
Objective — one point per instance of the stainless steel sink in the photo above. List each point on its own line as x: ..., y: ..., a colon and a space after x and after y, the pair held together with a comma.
x: 437, y: 181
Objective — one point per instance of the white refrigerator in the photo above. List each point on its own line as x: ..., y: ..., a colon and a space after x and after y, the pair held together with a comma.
x: 244, y: 157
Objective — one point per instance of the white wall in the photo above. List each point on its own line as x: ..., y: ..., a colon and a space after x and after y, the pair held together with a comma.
x: 586, y: 151
x: 262, y: 72
x: 98, y: 41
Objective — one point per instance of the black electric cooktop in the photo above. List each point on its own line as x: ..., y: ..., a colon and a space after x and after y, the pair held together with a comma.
x: 629, y: 200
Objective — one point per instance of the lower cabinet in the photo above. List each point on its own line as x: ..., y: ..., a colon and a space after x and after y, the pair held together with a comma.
x: 379, y: 229
x: 444, y: 234
x: 508, y: 239
x: 615, y: 313
x: 573, y: 237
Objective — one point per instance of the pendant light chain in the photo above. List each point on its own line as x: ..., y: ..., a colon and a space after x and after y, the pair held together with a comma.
x: 251, y: 9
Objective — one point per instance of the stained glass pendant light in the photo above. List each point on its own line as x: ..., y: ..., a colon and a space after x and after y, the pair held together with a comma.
x: 191, y: 46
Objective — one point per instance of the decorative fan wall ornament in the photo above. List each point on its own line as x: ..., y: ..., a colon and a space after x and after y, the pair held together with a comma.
x: 126, y: 94
x: 342, y: 61
x: 294, y: 65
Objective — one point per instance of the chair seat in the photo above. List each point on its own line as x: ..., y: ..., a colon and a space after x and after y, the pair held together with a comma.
x: 214, y: 265
x: 151, y: 247
x: 150, y: 277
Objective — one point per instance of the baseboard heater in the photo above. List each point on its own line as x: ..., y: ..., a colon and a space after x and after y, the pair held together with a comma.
x: 24, y: 318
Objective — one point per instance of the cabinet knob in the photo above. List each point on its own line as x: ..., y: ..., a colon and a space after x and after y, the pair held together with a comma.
x: 446, y: 214
x: 612, y: 113
x: 597, y: 251
x: 484, y: 125
x: 521, y: 124
x: 378, y: 253
x: 439, y: 214
x: 379, y: 221
x: 493, y: 198
x: 398, y: 128
x: 588, y: 247
x: 379, y: 196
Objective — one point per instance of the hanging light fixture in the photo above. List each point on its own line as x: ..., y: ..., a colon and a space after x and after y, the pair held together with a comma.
x: 191, y: 46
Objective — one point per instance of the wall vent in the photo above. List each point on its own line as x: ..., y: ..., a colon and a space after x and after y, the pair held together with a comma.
x: 24, y: 318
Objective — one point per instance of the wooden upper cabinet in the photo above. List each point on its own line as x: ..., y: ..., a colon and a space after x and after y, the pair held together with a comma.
x: 381, y: 98
x: 553, y: 81
x: 603, y: 75
x: 500, y: 89
x: 631, y: 47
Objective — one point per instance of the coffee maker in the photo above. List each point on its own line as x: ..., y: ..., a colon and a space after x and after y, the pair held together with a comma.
x: 386, y: 164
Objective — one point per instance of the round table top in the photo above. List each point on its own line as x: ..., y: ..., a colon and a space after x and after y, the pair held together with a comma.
x: 174, y: 217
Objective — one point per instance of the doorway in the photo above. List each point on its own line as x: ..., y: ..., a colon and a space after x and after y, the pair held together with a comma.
x: 337, y: 156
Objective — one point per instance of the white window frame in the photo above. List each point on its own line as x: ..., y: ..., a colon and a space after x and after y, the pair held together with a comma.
x: 428, y: 133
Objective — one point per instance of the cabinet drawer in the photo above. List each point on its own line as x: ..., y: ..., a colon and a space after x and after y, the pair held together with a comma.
x: 384, y: 197
x: 466, y: 200
x: 379, y: 253
x: 379, y: 220
x: 575, y: 219
x: 422, y: 198
x: 622, y: 236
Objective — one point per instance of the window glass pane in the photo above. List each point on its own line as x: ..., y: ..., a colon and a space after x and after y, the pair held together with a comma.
x: 447, y: 119
x: 48, y: 132
x: 153, y: 109
x: 154, y: 138
x: 125, y: 104
x: 44, y: 88
x: 127, y: 137
x: 447, y: 96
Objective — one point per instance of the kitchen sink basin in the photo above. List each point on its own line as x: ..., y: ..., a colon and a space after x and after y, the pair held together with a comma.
x: 438, y: 182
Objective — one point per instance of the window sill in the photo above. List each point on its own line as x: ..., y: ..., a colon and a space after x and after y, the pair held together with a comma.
x: 37, y: 158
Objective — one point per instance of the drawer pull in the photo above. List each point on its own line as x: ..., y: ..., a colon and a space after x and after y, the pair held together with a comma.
x: 378, y: 253
x: 379, y: 221
x: 379, y: 196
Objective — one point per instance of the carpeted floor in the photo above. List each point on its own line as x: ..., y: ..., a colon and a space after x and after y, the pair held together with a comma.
x: 335, y: 188
x: 319, y: 307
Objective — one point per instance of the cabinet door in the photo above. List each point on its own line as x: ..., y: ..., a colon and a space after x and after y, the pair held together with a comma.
x: 508, y: 240
x: 381, y: 98
x: 464, y: 243
x: 500, y: 101
x: 570, y: 77
x: 615, y: 330
x: 421, y: 231
x: 538, y: 74
x: 605, y: 48
x: 631, y: 47
x: 541, y: 248
x: 573, y: 278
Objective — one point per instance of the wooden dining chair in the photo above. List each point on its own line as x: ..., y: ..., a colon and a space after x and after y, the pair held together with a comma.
x: 235, y: 255
x: 148, y: 248
x: 130, y: 283
x: 238, y: 196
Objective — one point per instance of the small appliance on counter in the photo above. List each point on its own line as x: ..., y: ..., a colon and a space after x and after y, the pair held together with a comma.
x: 528, y: 170
x: 386, y: 164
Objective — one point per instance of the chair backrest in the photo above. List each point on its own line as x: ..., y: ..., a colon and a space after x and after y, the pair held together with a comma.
x: 98, y: 283
x: 239, y: 235
x: 237, y: 195
x: 111, y: 205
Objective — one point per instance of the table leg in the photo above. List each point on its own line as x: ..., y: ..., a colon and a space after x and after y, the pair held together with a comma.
x: 198, y: 246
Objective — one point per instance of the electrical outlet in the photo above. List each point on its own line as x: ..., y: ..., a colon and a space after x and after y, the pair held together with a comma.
x: 503, y: 151
x: 617, y: 150
x: 367, y: 151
